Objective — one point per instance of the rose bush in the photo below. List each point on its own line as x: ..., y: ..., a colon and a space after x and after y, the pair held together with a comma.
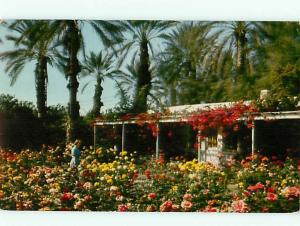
x: 107, y: 180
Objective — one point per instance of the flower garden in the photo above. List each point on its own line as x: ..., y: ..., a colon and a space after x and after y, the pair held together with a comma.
x: 107, y: 180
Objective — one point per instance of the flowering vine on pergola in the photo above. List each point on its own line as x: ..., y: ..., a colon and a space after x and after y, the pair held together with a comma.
x: 208, y: 116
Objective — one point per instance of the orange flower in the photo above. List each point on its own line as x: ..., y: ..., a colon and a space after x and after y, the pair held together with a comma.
x: 289, y: 192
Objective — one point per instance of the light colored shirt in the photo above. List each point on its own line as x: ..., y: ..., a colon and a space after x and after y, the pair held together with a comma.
x: 75, y: 152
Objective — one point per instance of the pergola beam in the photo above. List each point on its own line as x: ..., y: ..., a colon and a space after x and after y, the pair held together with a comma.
x: 180, y: 118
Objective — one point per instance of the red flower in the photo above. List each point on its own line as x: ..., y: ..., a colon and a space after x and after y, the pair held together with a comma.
x: 251, y: 188
x: 265, y: 159
x: 66, y: 197
x: 270, y: 189
x: 151, y: 195
x: 271, y: 197
x: 166, y: 206
x: 122, y: 208
x: 264, y: 209
x: 246, y: 193
x: 64, y: 209
x: 147, y: 173
x: 258, y: 186
x: 210, y: 209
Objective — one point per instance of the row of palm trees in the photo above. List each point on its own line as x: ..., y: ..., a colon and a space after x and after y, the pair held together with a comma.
x: 195, y: 56
x: 58, y: 43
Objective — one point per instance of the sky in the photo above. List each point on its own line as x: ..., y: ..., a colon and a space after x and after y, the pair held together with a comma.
x: 24, y: 88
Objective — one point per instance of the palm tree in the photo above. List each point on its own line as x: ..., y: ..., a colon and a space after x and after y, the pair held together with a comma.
x: 240, y: 39
x: 127, y: 83
x: 69, y: 31
x: 139, y: 38
x: 181, y: 66
x: 31, y: 47
x: 99, y: 66
x: 279, y: 59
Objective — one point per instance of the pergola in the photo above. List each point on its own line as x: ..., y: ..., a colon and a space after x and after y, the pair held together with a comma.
x: 179, y: 114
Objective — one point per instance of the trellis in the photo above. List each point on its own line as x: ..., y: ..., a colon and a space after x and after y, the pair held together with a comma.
x: 179, y: 117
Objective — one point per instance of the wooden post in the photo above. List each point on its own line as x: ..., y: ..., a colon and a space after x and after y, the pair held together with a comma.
x: 253, y: 138
x: 123, y: 136
x: 157, y: 142
x: 199, y: 146
x: 94, y: 137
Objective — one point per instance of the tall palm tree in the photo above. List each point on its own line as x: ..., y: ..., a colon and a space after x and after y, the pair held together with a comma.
x: 100, y: 66
x: 181, y: 65
x: 139, y: 39
x: 69, y: 31
x: 127, y: 83
x: 31, y: 47
x: 240, y: 39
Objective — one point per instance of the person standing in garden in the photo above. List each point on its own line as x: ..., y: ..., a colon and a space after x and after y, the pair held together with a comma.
x: 75, y: 153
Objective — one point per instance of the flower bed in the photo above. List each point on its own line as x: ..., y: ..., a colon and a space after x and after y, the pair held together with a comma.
x: 111, y: 181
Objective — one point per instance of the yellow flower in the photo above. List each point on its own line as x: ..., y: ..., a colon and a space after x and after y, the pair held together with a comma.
x: 174, y: 188
x: 109, y: 181
x: 283, y: 182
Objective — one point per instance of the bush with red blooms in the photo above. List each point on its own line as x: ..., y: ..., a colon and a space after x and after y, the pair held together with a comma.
x: 221, y: 117
x: 33, y: 181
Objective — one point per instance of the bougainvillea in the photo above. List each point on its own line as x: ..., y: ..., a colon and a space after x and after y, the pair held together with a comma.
x: 221, y: 117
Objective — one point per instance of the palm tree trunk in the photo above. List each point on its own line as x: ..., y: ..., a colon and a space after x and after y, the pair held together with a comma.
x: 41, y: 86
x: 97, y: 97
x: 72, y: 44
x: 173, y: 95
x: 144, y: 79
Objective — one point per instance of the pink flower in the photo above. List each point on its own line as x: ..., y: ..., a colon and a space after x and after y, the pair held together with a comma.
x: 151, y: 195
x: 239, y: 206
x: 289, y: 192
x: 271, y: 197
x: 186, y: 205
x: 205, y: 191
x: 187, y: 197
x: 78, y: 205
x: 166, y: 206
x: 87, y: 198
x: 122, y: 208
x: 175, y: 208
x: 87, y: 185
